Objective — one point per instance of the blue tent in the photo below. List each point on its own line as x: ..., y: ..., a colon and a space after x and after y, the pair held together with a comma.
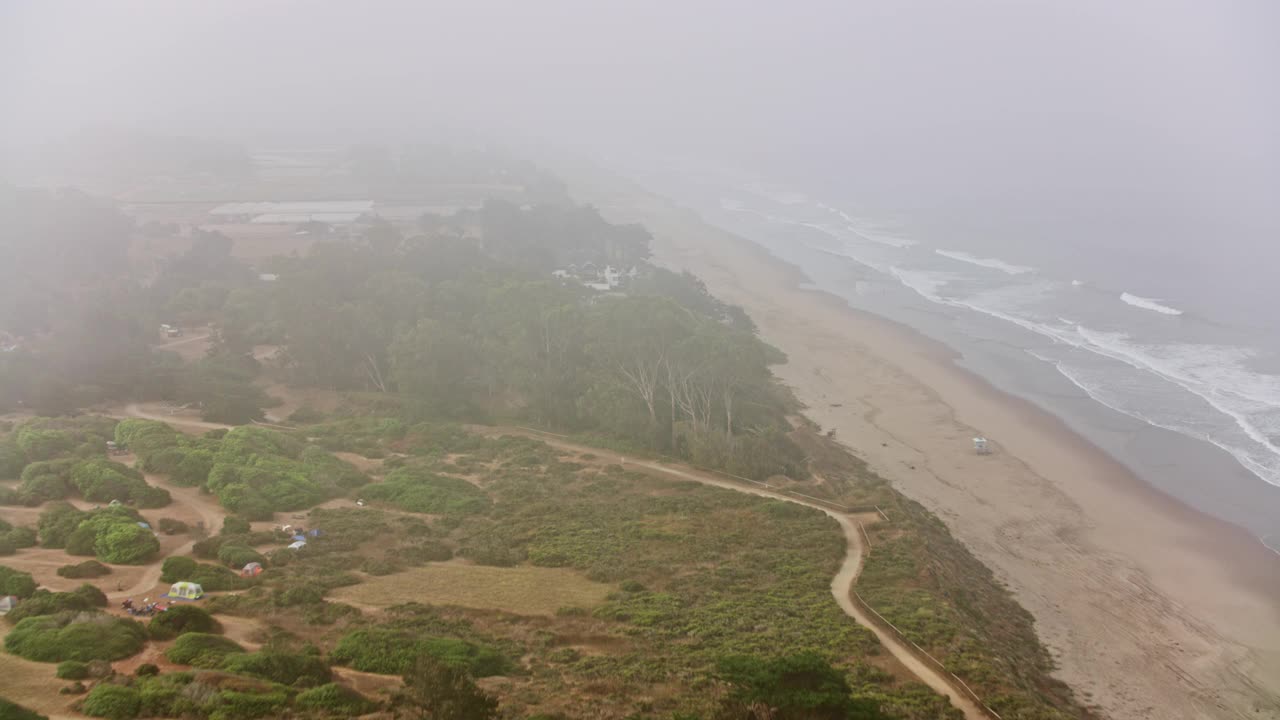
x: 300, y: 537
x: 315, y: 532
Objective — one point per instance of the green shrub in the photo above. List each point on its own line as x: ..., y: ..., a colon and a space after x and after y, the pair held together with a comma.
x: 235, y: 705
x: 235, y: 525
x: 91, y: 594
x: 202, y: 650
x: 57, y: 522
x: 424, y: 553
x: 237, y: 556
x: 164, y: 461
x: 159, y: 694
x: 82, y: 539
x: 21, y: 537
x: 415, y: 489
x: 72, y: 670
x: 12, y: 459
x: 39, y: 444
x: 391, y: 651
x: 170, y: 526
x: 194, y: 468
x: 13, y: 711
x: 145, y: 437
x: 86, y: 569
x: 101, y: 480
x: 15, y: 582
x: 295, y: 595
x: 208, y: 547
x: 334, y: 699
x: 382, y: 566
x: 211, y: 577
x: 115, y: 702
x: 75, y: 635
x: 216, y: 577
x: 281, y: 667
x: 147, y: 670
x: 44, y: 602
x: 46, y: 480
x: 126, y: 544
x: 180, y: 619
x: 176, y: 568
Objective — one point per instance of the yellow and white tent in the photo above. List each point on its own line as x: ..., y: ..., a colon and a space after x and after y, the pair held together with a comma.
x: 184, y: 590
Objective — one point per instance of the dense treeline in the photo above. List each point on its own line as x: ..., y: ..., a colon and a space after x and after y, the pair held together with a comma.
x: 469, y: 323
x: 77, y: 322
x: 464, y: 321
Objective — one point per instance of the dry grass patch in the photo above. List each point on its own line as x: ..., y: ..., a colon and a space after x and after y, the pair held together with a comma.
x: 519, y: 590
x: 32, y: 684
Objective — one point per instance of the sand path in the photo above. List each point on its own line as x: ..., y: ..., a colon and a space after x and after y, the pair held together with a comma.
x: 841, y: 584
x: 209, y: 512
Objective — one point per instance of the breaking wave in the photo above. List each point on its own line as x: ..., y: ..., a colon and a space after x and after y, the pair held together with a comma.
x: 993, y: 263
x: 1149, y: 304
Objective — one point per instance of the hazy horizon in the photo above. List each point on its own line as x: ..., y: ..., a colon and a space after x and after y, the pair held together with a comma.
x: 1176, y: 97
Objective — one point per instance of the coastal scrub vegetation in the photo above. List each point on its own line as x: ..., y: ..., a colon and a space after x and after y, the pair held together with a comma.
x: 75, y: 635
x: 714, y: 603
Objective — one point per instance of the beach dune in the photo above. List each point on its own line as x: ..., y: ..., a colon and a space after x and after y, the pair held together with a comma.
x: 1151, y: 609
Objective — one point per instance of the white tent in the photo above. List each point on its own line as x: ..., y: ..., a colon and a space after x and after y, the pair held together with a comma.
x: 297, y: 545
x: 183, y: 590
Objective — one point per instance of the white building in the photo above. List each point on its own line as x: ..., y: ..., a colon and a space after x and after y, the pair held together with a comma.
x: 331, y: 212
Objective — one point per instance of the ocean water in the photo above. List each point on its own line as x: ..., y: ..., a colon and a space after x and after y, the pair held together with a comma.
x: 1141, y: 340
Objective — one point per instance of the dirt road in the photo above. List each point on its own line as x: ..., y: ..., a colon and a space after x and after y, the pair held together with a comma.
x: 841, y: 584
x: 136, y: 411
x: 205, y: 507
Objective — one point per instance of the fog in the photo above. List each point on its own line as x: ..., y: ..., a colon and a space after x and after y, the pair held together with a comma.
x: 922, y: 92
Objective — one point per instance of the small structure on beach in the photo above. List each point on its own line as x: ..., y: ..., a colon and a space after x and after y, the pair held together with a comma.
x: 183, y: 590
x: 980, y: 446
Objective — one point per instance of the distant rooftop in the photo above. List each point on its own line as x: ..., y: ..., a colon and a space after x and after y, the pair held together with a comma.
x: 332, y: 218
x: 306, y: 207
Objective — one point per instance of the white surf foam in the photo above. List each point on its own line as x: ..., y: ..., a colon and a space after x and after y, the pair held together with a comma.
x: 866, y: 230
x: 1247, y: 403
x: 1149, y: 304
x: 993, y: 263
x: 877, y: 237
x: 1259, y: 458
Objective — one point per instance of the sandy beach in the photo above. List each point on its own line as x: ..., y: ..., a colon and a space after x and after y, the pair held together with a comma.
x: 1152, y: 609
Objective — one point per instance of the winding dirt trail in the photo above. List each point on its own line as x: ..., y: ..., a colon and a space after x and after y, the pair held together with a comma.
x: 841, y: 584
x: 210, y: 513
x: 135, y: 410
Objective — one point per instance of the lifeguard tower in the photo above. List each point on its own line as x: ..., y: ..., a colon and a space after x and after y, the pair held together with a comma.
x: 980, y: 446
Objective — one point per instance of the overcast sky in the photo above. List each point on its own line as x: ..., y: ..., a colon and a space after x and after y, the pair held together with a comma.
x: 1017, y: 83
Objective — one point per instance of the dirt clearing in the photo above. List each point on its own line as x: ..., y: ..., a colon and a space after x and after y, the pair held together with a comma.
x: 519, y: 590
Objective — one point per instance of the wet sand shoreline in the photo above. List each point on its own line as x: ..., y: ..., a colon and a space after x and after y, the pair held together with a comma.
x: 1153, y: 609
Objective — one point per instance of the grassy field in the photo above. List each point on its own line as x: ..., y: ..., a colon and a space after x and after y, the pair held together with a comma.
x: 517, y: 590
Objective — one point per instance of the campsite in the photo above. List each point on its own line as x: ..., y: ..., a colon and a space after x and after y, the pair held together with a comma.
x: 474, y: 446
